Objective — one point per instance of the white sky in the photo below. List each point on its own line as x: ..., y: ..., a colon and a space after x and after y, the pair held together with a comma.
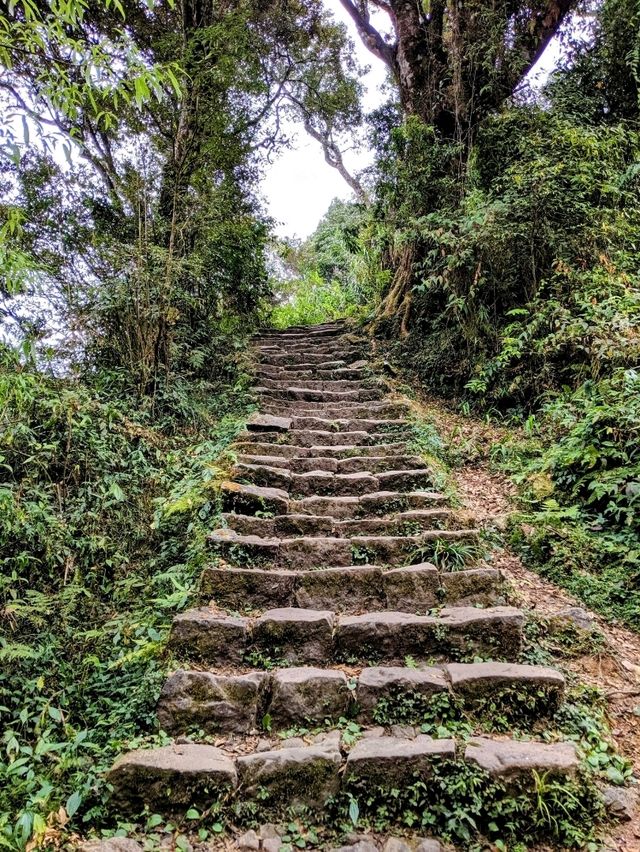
x: 299, y: 186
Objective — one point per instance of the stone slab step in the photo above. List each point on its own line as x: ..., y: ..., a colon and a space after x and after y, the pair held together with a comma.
x: 316, y: 551
x: 284, y: 383
x: 307, y: 394
x: 393, y: 763
x: 262, y: 475
x: 172, y: 778
x: 511, y: 760
x: 329, y: 345
x: 249, y: 499
x: 352, y: 464
x: 360, y: 438
x: 309, y: 359
x: 310, y: 335
x: 277, y: 356
x: 336, y: 451
x: 305, y: 438
x: 309, y: 696
x: 379, y: 503
x: 317, y: 482
x: 323, y: 483
x: 455, y: 632
x: 330, y: 412
x: 323, y: 424
x: 302, y: 636
x: 352, y: 589
x: 259, y: 422
x: 412, y: 521
x: 297, y: 376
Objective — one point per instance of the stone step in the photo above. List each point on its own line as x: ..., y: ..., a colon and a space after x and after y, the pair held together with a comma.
x: 390, y: 763
x: 302, y: 636
x: 281, y: 357
x: 281, y: 526
x: 262, y: 475
x: 379, y: 503
x: 337, y: 345
x: 318, y: 482
x: 330, y: 412
x: 309, y: 394
x: 368, y: 463
x: 310, y: 335
x: 388, y: 695
x: 309, y: 359
x: 249, y: 499
x: 285, y: 382
x: 344, y: 484
x: 261, y: 422
x: 352, y: 589
x: 309, y: 437
x: 337, y: 451
x: 326, y: 424
x: 294, y: 375
x: 172, y: 778
x: 322, y: 550
x: 305, y: 438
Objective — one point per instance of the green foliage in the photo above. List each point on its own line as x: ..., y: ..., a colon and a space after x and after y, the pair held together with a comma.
x: 511, y: 295
x: 579, y: 477
x: 324, y: 277
x: 450, y: 554
x: 458, y: 802
x: 309, y: 300
x: 514, y: 290
x: 102, y: 534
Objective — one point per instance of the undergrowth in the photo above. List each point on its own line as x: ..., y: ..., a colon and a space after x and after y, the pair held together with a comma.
x: 103, y: 515
x: 578, y: 470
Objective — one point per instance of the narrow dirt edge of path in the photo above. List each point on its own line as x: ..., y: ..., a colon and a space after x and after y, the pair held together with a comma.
x: 489, y: 497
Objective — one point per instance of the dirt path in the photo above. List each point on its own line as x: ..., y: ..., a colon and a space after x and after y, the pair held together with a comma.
x: 489, y: 497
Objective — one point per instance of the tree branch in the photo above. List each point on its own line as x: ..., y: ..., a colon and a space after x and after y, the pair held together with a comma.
x: 370, y: 36
x: 331, y: 151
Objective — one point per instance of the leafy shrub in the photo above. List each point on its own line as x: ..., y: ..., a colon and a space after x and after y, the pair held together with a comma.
x: 527, y: 282
x: 103, y: 516
x: 310, y: 300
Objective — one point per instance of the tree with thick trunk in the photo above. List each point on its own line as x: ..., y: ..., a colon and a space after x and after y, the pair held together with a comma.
x: 454, y: 62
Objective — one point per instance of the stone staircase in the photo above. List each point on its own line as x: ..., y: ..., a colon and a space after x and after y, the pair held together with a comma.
x: 324, y: 614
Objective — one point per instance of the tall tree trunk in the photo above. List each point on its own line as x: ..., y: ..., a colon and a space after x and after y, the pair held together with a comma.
x: 456, y: 62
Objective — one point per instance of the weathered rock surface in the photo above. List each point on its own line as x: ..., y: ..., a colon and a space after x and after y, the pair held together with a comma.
x: 211, y: 702
x: 621, y: 802
x: 390, y: 762
x: 112, y: 844
x: 237, y: 588
x: 253, y: 498
x: 305, y: 694
x: 308, y: 775
x: 295, y: 635
x: 414, y: 588
x: 171, y: 777
x: 395, y: 683
x: 341, y: 589
x: 510, y: 759
x: 479, y: 680
x: 208, y: 635
x: 268, y: 423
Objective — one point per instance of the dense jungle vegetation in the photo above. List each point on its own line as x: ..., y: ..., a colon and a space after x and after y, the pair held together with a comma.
x: 493, y: 246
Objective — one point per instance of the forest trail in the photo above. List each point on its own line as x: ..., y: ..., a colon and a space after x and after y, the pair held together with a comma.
x: 343, y: 629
